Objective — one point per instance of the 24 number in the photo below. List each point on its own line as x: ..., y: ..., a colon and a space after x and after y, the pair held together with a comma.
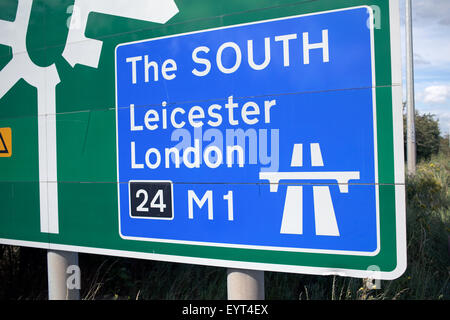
x: 156, y: 203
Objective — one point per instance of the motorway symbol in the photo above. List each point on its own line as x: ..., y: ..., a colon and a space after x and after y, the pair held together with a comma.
x: 325, y: 218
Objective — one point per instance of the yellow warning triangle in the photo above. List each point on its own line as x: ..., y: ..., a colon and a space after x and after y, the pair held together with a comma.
x: 5, y: 142
x: 3, y: 148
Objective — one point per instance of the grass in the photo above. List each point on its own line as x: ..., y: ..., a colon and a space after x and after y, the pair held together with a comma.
x: 428, y: 227
x: 23, y: 270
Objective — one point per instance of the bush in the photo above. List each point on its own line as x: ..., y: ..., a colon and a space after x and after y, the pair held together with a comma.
x: 428, y: 139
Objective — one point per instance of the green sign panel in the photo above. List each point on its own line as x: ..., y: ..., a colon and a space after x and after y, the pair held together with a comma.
x: 261, y: 135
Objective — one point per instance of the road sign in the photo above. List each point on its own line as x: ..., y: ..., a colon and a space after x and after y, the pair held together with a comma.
x: 268, y: 140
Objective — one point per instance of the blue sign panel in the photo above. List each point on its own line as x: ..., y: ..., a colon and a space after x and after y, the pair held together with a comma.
x: 260, y: 135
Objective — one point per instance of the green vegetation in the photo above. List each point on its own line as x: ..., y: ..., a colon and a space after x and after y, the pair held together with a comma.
x: 23, y: 270
x: 428, y: 136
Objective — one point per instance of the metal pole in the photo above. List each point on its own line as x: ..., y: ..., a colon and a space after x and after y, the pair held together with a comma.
x: 245, y: 284
x: 410, y: 110
x: 60, y: 269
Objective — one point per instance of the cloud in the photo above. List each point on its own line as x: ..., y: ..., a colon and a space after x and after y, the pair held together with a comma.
x: 432, y: 11
x: 431, y: 31
x: 436, y: 94
x: 420, y: 60
x: 443, y: 116
x: 426, y: 12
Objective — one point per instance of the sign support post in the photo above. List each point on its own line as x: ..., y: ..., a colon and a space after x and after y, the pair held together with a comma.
x: 59, y: 264
x: 245, y: 284
x: 410, y: 111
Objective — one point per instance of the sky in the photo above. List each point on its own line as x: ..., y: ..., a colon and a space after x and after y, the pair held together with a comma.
x: 431, y: 40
